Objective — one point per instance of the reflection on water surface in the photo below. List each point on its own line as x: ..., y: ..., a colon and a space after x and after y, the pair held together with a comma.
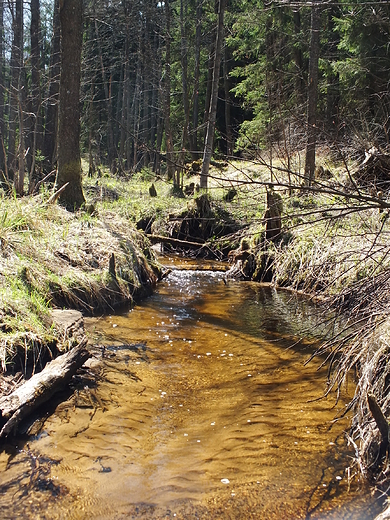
x: 204, y: 409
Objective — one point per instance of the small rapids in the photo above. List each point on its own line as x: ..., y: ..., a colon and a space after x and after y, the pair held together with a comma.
x: 203, y: 408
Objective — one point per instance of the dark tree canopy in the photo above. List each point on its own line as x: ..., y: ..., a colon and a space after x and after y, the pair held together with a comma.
x: 156, y: 75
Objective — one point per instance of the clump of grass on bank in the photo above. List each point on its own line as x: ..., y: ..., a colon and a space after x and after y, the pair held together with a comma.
x: 52, y: 258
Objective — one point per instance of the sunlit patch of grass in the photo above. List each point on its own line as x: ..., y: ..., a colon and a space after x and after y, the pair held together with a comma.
x: 50, y: 257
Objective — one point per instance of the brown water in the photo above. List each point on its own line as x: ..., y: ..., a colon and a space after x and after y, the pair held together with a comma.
x: 203, y: 409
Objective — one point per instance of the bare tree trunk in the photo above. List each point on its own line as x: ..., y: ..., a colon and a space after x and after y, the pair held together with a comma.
x: 117, y: 120
x: 228, y: 124
x: 107, y: 93
x: 125, y: 94
x: 136, y: 108
x: 160, y: 128
x: 91, y: 164
x: 3, y: 159
x: 19, y: 178
x: 193, y: 136
x: 333, y: 88
x: 69, y: 160
x: 16, y: 67
x: 184, y: 77
x: 129, y: 140
x: 209, y: 82
x: 51, y: 117
x: 35, y: 119
x: 208, y: 147
x: 155, y: 116
x: 312, y: 95
x: 167, y: 90
x: 298, y: 59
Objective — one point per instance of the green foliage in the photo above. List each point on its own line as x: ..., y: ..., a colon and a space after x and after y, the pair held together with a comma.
x: 363, y: 62
x: 266, y: 44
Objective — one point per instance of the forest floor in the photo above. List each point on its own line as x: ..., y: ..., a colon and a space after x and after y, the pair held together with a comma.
x: 333, y: 246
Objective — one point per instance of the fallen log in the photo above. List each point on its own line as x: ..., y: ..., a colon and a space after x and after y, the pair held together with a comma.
x: 40, y: 388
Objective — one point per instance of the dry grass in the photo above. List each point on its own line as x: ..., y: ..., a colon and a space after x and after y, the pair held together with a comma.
x: 52, y: 258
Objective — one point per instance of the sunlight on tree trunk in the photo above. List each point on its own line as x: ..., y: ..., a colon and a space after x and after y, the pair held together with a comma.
x: 209, y: 142
x: 16, y: 69
x: 69, y: 160
x: 167, y: 91
x: 312, y: 95
x: 51, y: 116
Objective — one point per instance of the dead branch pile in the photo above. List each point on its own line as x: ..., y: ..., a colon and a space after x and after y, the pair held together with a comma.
x: 364, y: 346
x: 199, y: 222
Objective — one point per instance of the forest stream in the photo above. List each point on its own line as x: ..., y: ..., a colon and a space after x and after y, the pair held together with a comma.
x: 203, y: 408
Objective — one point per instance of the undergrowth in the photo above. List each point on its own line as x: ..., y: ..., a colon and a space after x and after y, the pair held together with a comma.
x: 50, y: 258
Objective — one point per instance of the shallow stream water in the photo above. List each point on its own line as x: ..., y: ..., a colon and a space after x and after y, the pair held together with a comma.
x: 204, y: 408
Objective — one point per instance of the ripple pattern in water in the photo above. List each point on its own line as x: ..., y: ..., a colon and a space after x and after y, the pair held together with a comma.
x: 204, y: 409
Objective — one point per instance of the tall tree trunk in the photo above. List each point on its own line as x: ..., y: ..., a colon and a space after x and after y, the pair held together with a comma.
x: 69, y: 160
x: 193, y: 136
x: 228, y: 124
x: 35, y: 120
x: 209, y: 83
x: 19, y: 178
x: 51, y: 116
x: 118, y: 119
x: 160, y: 127
x: 125, y: 94
x: 155, y: 114
x: 124, y: 103
x: 333, y: 87
x: 312, y: 94
x: 184, y: 79
x: 107, y: 93
x: 298, y: 59
x: 209, y: 142
x: 136, y: 108
x: 3, y: 159
x: 167, y: 91
x: 129, y: 122
x: 16, y: 67
x: 91, y: 163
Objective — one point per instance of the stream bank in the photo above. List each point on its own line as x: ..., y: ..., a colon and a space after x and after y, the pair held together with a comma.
x: 74, y: 263
x: 202, y: 408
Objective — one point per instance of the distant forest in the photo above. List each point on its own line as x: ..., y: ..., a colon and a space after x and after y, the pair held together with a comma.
x: 289, y: 75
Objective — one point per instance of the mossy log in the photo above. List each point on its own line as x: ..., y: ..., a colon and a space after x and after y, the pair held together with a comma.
x: 40, y: 388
